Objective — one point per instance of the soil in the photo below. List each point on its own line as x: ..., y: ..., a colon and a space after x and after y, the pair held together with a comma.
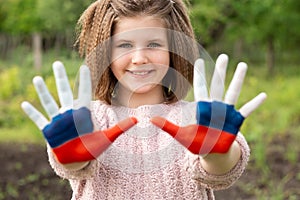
x: 26, y: 174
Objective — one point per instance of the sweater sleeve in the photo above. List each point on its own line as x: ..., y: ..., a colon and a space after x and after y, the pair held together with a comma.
x: 218, y: 182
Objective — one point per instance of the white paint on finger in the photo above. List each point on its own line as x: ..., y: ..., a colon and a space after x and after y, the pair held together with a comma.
x: 63, y: 87
x: 199, y: 82
x: 85, y: 87
x: 45, y: 97
x: 34, y: 115
x: 236, y: 84
x: 218, y: 79
x: 252, y: 105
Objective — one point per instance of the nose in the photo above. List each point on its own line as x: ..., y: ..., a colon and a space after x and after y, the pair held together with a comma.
x: 139, y: 56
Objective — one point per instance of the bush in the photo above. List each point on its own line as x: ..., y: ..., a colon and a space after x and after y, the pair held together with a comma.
x: 10, y: 83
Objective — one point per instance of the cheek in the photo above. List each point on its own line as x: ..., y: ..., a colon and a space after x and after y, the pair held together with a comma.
x: 119, y: 56
x: 161, y: 57
x: 119, y: 63
x: 115, y: 68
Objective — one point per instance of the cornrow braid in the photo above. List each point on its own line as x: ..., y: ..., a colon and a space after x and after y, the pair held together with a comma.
x: 91, y: 22
x: 95, y: 24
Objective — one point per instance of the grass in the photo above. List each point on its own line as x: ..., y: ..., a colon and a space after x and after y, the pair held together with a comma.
x: 279, y: 114
x: 26, y: 133
x: 278, y: 117
x: 14, y: 124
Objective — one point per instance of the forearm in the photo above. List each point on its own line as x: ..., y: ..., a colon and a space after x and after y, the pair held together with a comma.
x: 218, y: 164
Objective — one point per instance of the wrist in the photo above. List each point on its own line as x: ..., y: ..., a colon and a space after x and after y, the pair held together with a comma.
x: 75, y: 166
x: 217, y: 163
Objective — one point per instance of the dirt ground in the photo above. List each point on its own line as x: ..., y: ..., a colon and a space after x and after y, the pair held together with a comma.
x: 26, y: 174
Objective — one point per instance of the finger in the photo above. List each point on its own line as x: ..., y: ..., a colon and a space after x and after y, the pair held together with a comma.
x: 165, y: 125
x: 63, y: 87
x: 184, y: 135
x: 96, y: 143
x: 34, y: 115
x: 200, y: 85
x: 45, y: 97
x: 121, y: 127
x: 235, y: 86
x: 249, y: 107
x: 218, y: 79
x: 85, y: 87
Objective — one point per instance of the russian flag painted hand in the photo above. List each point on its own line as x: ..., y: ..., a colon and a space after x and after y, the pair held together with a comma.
x: 70, y: 131
x: 217, y: 120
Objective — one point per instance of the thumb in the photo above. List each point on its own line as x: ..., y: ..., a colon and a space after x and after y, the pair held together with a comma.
x: 184, y: 135
x: 165, y: 125
x: 122, y: 126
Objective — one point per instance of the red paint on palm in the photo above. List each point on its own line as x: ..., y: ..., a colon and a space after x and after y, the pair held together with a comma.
x: 197, y: 138
x: 90, y: 146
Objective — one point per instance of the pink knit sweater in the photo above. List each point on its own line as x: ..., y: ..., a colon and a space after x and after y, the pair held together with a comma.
x: 145, y: 162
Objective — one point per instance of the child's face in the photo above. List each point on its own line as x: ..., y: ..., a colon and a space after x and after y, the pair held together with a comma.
x: 140, y: 56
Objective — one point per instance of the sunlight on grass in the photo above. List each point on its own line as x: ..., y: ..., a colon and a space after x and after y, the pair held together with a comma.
x: 26, y: 133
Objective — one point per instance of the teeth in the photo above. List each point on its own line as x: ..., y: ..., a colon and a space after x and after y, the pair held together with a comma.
x: 140, y: 73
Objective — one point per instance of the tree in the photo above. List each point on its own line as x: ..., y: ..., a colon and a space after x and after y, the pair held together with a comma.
x: 41, y: 20
x: 209, y: 19
x: 22, y: 19
x: 62, y: 26
x: 272, y: 23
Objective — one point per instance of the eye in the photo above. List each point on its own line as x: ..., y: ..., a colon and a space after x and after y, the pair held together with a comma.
x: 125, y: 45
x: 154, y: 45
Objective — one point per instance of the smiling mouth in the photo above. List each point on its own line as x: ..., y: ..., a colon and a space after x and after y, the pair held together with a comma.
x: 140, y: 73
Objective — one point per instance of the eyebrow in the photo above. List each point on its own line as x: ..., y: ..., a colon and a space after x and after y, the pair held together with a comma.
x: 117, y: 40
x: 121, y: 40
x: 157, y: 40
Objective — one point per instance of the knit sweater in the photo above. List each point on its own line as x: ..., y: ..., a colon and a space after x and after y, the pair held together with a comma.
x: 146, y: 162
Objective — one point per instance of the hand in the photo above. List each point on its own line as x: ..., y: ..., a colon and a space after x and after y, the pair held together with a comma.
x: 70, y: 131
x: 217, y: 121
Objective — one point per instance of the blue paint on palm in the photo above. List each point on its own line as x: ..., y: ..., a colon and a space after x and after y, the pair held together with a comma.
x: 67, y: 126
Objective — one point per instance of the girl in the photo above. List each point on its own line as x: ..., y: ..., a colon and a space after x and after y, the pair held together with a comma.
x: 140, y: 139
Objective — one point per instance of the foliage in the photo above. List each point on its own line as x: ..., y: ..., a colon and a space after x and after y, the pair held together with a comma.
x: 266, y: 27
x: 277, y: 118
x: 28, y: 16
x: 66, y: 14
x: 253, y: 20
x: 9, y: 89
x: 219, y: 24
x: 206, y: 18
x: 10, y: 82
x: 276, y: 110
x: 21, y: 16
x: 16, y: 86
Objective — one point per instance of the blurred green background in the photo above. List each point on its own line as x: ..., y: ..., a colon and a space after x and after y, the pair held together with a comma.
x: 263, y: 33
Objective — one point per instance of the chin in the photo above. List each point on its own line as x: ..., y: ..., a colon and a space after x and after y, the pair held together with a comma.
x: 142, y: 89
